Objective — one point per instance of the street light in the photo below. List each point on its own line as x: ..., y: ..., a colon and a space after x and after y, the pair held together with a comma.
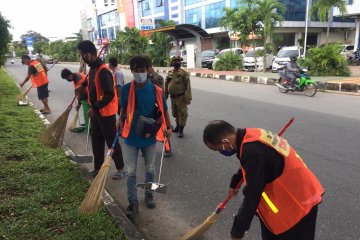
x: 306, y: 25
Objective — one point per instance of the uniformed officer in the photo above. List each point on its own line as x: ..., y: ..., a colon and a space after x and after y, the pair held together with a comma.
x: 177, y: 85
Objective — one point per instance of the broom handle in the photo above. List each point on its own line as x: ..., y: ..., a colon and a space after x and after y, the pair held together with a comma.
x: 229, y: 196
x: 87, y: 137
x: 162, y: 158
x: 111, y: 150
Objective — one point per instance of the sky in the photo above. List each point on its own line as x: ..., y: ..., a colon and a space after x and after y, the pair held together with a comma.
x: 53, y: 19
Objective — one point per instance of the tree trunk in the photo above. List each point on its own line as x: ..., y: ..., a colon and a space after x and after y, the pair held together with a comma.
x: 328, y: 29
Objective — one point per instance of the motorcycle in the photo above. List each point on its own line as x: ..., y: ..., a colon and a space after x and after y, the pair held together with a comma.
x: 304, y: 84
x: 12, y: 61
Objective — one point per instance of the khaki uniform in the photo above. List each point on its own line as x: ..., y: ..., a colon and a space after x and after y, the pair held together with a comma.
x: 157, y: 79
x: 177, y: 86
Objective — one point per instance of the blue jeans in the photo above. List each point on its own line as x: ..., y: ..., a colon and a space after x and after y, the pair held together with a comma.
x: 130, y: 154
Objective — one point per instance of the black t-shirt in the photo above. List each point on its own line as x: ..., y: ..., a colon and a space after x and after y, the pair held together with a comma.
x: 262, y: 165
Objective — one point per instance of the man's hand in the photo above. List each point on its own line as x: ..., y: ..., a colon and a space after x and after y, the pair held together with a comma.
x: 91, y: 113
x: 79, y: 89
x: 188, y: 101
x: 119, y: 124
x: 168, y: 132
x: 22, y: 84
x: 78, y: 107
x: 233, y: 192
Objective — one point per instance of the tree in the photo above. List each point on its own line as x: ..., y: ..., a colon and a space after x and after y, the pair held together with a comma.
x: 323, y: 9
x: 161, y: 45
x: 5, y: 39
x: 40, y: 42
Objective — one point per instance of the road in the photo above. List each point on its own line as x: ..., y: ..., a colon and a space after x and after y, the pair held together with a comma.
x: 326, y: 133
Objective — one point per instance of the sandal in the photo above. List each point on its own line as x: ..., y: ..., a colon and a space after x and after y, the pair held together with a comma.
x: 78, y: 129
x: 46, y: 112
x: 119, y: 175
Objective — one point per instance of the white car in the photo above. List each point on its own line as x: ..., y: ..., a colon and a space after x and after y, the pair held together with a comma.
x: 238, y: 51
x: 283, y: 56
x: 249, y: 61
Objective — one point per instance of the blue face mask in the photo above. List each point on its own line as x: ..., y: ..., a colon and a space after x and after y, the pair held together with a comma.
x: 225, y: 152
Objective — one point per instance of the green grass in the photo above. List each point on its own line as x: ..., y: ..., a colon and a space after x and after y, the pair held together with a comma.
x: 40, y: 188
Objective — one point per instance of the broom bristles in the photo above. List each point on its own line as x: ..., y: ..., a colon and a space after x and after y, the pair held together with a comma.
x: 22, y: 96
x: 54, y: 135
x: 199, y: 230
x: 93, y: 197
x: 74, y: 121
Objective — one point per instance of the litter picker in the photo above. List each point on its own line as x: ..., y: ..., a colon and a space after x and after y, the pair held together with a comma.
x: 155, y: 187
x: 86, y: 158
x: 92, y: 199
x: 202, y: 228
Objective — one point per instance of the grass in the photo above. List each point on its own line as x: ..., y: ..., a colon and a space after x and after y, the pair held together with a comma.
x: 40, y: 188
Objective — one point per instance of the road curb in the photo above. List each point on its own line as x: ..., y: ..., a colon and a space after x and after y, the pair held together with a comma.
x: 129, y: 230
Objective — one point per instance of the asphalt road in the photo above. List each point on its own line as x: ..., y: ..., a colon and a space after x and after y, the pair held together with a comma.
x: 326, y: 133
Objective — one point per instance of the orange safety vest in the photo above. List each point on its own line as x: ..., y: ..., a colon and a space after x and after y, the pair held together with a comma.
x: 39, y: 79
x: 112, y: 107
x: 290, y: 197
x: 130, y: 114
x: 80, y: 82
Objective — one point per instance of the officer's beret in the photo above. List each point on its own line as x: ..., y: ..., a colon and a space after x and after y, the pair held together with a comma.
x: 174, y: 58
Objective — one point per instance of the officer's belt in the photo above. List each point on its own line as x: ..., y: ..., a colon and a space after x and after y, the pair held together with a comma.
x: 177, y: 95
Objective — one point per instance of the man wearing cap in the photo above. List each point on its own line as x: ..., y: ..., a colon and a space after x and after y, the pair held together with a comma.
x: 177, y: 86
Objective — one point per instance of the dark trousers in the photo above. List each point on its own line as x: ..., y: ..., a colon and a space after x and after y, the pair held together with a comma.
x: 103, y: 129
x: 303, y: 230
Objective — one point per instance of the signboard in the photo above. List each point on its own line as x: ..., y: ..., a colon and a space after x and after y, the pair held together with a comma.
x: 234, y: 35
x: 147, y: 24
x: 29, y: 41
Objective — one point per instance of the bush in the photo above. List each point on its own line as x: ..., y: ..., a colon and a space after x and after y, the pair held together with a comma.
x: 326, y: 61
x: 229, y: 62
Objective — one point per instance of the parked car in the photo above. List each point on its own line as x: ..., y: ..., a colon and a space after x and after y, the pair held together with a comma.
x: 182, y: 54
x: 207, y: 58
x: 249, y: 64
x: 238, y: 51
x: 283, y: 56
x: 347, y: 50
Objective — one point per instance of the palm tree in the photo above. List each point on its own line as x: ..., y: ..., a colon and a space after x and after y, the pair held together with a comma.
x: 269, y: 13
x: 323, y: 8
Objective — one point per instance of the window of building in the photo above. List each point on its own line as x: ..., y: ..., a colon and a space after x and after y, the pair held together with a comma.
x: 193, y: 16
x: 175, y: 15
x: 159, y: 6
x: 145, y: 7
x: 213, y: 13
x: 235, y: 3
x: 349, y: 2
x: 295, y: 10
x: 189, y: 2
x: 104, y: 33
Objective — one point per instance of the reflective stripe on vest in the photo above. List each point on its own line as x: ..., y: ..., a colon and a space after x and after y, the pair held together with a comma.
x: 112, y: 107
x: 130, y: 109
x: 291, y: 196
x: 40, y: 77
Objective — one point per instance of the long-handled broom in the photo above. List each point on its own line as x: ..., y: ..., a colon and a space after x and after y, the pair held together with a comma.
x: 74, y: 121
x: 22, y: 96
x: 202, y: 228
x: 54, y: 135
x: 92, y: 199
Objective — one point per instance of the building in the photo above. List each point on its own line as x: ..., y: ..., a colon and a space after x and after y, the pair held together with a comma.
x: 352, y: 11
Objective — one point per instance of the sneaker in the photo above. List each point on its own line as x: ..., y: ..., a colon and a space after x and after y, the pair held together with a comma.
x: 149, y: 200
x: 167, y: 154
x: 119, y: 175
x: 132, y: 209
x: 94, y: 172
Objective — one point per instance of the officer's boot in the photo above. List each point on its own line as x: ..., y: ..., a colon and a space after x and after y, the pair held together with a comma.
x: 149, y: 200
x: 176, y: 129
x: 181, y: 132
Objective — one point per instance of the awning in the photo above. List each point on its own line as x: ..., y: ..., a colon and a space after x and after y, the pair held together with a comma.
x: 181, y: 31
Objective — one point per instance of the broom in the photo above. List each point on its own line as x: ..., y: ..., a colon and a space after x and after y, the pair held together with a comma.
x: 92, y: 199
x: 22, y: 96
x: 74, y: 121
x: 54, y: 135
x: 202, y: 228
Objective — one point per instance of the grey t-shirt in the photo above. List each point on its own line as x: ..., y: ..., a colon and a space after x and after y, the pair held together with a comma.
x: 119, y: 77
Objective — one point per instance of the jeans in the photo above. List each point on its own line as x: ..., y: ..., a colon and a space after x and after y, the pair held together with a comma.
x: 130, y: 156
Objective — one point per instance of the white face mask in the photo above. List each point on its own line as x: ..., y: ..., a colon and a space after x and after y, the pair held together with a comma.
x: 140, y: 77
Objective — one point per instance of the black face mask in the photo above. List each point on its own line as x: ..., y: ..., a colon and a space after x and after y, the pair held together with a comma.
x: 177, y: 65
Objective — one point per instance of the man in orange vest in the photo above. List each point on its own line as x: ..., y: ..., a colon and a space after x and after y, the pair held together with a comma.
x: 103, y: 102
x: 39, y: 80
x: 279, y: 188
x: 78, y: 79
x: 140, y: 98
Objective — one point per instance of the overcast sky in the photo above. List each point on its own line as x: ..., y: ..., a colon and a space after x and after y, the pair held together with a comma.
x: 50, y: 18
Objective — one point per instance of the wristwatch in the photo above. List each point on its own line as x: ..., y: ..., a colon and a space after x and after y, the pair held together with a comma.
x: 170, y: 127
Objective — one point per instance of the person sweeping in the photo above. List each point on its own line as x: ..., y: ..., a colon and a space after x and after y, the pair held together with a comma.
x: 39, y: 80
x: 103, y: 102
x: 279, y: 188
x: 77, y: 79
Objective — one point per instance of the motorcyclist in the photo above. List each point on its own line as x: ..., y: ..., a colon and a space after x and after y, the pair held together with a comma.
x: 292, y: 71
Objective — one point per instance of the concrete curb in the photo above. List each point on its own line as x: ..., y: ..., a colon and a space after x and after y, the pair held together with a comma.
x: 129, y: 230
